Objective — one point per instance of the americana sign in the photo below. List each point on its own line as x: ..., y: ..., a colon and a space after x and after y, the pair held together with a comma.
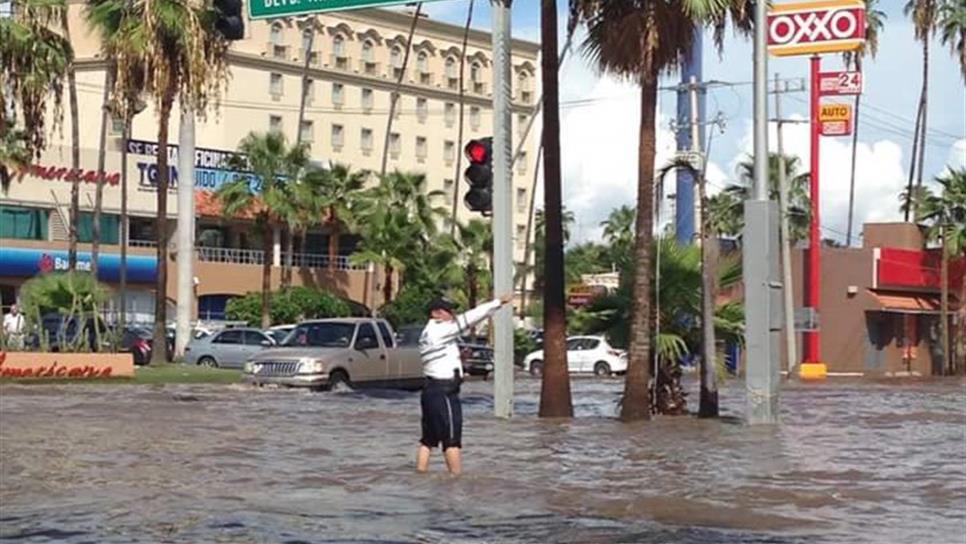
x: 835, y: 119
x: 264, y: 9
x: 840, y: 83
x: 823, y: 26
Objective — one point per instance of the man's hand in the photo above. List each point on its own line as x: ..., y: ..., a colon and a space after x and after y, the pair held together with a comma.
x: 506, y: 298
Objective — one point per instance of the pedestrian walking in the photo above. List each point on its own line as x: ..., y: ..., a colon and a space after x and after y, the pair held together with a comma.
x: 442, y: 420
x: 13, y: 327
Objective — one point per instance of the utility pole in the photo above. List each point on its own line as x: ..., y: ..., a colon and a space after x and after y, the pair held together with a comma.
x: 186, y: 230
x: 760, y: 254
x: 788, y: 302
x: 502, y: 214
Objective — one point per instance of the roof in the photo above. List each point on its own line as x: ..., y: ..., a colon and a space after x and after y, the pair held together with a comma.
x: 207, y: 204
x: 910, y: 303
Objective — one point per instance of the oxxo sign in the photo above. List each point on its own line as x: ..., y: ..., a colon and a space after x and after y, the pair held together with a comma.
x: 803, y: 28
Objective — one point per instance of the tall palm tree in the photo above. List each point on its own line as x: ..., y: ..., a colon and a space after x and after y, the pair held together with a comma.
x: 946, y: 214
x: 874, y: 24
x: 726, y: 214
x: 476, y: 246
x: 639, y: 40
x: 924, y: 14
x: 619, y: 233
x: 799, y: 200
x: 74, y: 148
x: 14, y: 156
x: 338, y: 195
x: 952, y: 25
x: 170, y: 49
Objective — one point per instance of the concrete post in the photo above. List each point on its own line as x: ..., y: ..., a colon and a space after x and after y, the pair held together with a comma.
x: 186, y: 230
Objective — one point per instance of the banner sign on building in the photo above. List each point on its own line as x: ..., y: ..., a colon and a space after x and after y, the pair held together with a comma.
x: 212, y: 168
x: 22, y: 262
x: 826, y: 26
x: 835, y: 119
x: 840, y: 83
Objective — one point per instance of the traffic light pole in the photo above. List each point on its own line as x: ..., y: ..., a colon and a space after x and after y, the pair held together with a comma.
x: 502, y: 216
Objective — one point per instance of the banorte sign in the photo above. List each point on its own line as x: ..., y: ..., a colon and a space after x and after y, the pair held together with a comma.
x: 824, y: 26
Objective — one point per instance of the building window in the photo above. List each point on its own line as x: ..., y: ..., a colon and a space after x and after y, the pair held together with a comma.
x: 522, y: 124
x: 449, y: 152
x: 523, y: 82
x: 23, y: 223
x: 275, y: 86
x: 366, y: 140
x: 521, y: 237
x: 338, y: 135
x: 451, y: 68
x: 474, y: 117
x: 307, y: 132
x: 275, y: 123
x: 422, y: 109
x: 476, y: 77
x: 338, y: 97
x: 448, y: 186
x: 449, y: 114
x: 399, y: 107
x: 341, y: 60
x: 277, y: 41
x: 395, y: 143
x: 309, y: 91
x: 422, y: 63
x: 420, y: 148
x: 522, y: 163
x: 367, y: 100
x: 110, y: 228
x: 522, y: 200
x: 395, y: 61
x: 307, y: 41
x: 368, y: 58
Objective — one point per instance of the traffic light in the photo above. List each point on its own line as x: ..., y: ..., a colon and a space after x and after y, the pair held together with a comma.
x: 479, y: 174
x: 229, y: 20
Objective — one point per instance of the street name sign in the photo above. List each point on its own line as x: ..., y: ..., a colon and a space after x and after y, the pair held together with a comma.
x: 840, y: 83
x: 267, y: 9
x: 835, y: 119
x: 823, y: 26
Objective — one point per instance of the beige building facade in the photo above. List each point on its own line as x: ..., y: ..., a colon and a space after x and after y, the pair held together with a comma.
x: 355, y: 61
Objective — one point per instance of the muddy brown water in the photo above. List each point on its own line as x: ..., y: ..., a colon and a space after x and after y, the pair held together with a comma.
x: 850, y: 463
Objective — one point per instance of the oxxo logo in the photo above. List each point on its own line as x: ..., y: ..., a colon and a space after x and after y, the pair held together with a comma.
x: 804, y: 28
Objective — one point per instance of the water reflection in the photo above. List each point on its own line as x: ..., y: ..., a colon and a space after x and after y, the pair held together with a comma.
x: 850, y: 463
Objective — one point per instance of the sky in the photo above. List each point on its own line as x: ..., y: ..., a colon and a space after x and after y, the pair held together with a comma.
x: 599, y: 173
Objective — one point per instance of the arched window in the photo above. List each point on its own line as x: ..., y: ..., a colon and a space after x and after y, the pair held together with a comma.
x: 451, y: 68
x: 368, y: 52
x: 476, y: 73
x: 306, y: 38
x: 523, y: 84
x: 422, y: 63
x: 276, y: 34
x: 338, y: 46
x: 395, y: 57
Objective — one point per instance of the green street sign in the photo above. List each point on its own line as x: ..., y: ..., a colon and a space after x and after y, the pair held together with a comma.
x: 265, y: 9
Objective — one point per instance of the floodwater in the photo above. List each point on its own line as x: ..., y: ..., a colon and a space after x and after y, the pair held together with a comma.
x: 850, y: 463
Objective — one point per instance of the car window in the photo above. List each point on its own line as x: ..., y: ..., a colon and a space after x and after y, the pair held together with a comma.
x: 322, y: 335
x: 386, y: 335
x: 409, y: 336
x: 254, y: 338
x: 573, y: 344
x: 367, y: 336
x: 228, y: 337
x: 591, y: 343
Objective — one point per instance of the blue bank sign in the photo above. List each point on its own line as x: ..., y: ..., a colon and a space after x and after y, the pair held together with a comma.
x: 212, y: 167
x: 21, y: 262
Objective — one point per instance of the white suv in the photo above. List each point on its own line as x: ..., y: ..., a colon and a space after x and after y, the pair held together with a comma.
x: 584, y: 354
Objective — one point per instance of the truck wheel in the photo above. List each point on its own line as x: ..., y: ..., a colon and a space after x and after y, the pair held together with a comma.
x: 536, y: 368
x: 339, y: 379
x: 601, y: 369
x: 208, y: 362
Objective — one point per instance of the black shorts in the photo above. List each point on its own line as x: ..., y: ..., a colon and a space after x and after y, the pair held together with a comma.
x: 442, y: 414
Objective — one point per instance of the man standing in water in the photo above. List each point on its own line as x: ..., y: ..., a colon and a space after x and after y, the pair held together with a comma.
x: 443, y: 369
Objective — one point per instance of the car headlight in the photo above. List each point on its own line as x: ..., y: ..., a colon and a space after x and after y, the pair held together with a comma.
x: 249, y: 368
x: 308, y: 365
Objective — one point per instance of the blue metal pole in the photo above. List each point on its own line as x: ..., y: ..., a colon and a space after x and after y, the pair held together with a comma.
x: 684, y: 211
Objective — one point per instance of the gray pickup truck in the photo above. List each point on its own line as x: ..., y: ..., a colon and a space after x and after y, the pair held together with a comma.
x: 320, y: 354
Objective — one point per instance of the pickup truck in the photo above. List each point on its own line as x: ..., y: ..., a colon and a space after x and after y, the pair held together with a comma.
x: 320, y: 354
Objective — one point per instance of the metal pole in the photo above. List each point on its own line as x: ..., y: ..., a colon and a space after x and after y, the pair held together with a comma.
x: 502, y: 214
x: 788, y: 303
x: 685, y: 210
x: 760, y: 259
x: 812, y: 366
x: 124, y: 219
x: 186, y: 228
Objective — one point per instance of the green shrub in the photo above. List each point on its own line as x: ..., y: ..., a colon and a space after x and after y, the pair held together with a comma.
x: 289, y: 305
x: 409, y: 307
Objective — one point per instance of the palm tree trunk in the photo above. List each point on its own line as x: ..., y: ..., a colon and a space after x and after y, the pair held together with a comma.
x: 101, y: 157
x: 124, y: 225
x: 159, y: 355
x: 924, y: 99
x: 555, y: 398
x: 289, y: 258
x: 459, y: 137
x: 961, y: 330
x: 472, y: 286
x: 333, y: 239
x: 387, y: 285
x: 944, y: 305
x: 636, y: 404
x: 708, y: 401
x: 268, y: 246
x: 855, y: 146
x: 74, y: 152
x: 910, y: 201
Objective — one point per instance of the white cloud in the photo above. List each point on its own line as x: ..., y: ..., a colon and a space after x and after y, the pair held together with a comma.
x: 957, y: 155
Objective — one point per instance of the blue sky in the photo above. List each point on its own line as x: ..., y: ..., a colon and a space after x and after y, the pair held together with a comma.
x: 892, y: 84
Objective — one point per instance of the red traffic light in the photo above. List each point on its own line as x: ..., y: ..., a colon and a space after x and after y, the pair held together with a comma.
x: 477, y: 152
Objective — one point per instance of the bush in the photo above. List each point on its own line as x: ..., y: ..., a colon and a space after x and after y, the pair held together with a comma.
x: 523, y: 345
x: 78, y: 297
x: 289, y: 305
x: 409, y: 307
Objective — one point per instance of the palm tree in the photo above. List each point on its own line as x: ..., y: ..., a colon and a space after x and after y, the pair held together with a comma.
x: 952, y: 25
x: 268, y: 200
x: 726, y: 214
x: 946, y: 214
x: 338, y: 195
x: 33, y: 65
x: 476, y: 246
x: 619, y: 233
x: 924, y: 14
x: 74, y: 148
x: 170, y: 49
x: 639, y: 40
x: 799, y: 201
x: 874, y: 24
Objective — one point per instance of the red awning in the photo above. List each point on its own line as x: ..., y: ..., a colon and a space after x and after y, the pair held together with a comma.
x: 910, y: 303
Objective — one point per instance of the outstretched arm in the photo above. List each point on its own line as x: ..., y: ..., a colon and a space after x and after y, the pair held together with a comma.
x: 469, y: 319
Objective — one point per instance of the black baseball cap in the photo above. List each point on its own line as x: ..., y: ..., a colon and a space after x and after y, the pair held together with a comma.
x: 441, y: 303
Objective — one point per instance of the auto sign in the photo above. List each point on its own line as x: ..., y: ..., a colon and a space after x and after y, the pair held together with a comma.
x: 827, y: 26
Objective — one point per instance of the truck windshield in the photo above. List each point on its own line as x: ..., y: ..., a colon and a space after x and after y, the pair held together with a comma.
x: 321, y: 335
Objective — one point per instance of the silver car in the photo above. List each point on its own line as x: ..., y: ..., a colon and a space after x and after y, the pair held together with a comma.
x: 230, y: 348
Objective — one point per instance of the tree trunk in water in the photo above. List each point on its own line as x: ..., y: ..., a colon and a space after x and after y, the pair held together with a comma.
x: 961, y: 331
x: 268, y: 247
x: 855, y: 146
x: 636, y: 403
x: 289, y: 258
x: 101, y: 157
x: 472, y: 289
x: 924, y: 104
x: 944, y: 306
x: 159, y: 353
x: 555, y: 398
x: 74, y: 153
x: 333, y: 240
x: 910, y: 204
x: 708, y: 401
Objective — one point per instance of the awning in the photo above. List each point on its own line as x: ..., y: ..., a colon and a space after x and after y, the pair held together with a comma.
x: 910, y: 303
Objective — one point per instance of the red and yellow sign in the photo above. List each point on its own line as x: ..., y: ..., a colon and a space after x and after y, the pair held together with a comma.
x: 824, y: 26
x: 66, y: 366
x: 835, y: 119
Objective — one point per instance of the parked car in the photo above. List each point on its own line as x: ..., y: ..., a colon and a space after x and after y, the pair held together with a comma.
x: 360, y: 352
x: 139, y: 341
x: 230, y: 348
x: 584, y: 354
x: 477, y: 357
x: 280, y: 332
x: 64, y: 332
